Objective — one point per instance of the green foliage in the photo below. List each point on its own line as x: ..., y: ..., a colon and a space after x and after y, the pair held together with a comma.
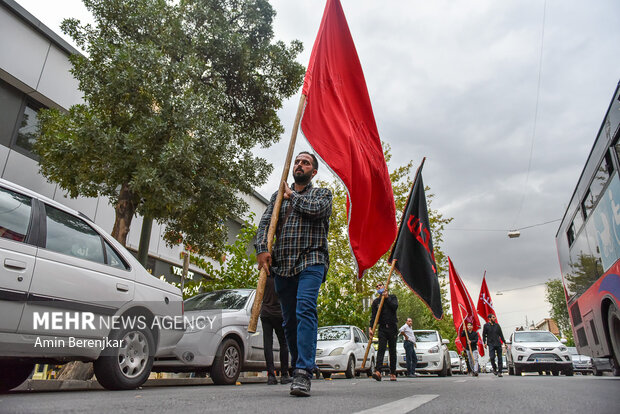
x: 559, y: 311
x: 345, y: 300
x: 236, y: 268
x: 177, y: 94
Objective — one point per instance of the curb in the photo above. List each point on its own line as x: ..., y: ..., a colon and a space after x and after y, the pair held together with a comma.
x: 79, y: 385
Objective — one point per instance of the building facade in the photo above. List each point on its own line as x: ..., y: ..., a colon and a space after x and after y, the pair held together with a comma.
x: 35, y: 74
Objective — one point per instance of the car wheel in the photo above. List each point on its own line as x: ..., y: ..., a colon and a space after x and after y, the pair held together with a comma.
x: 613, y: 321
x: 371, y: 369
x: 517, y: 371
x: 326, y: 375
x: 13, y: 374
x: 444, y: 370
x: 510, y: 370
x: 350, y: 372
x: 596, y: 372
x: 449, y: 368
x: 227, y: 363
x: 556, y: 373
x: 129, y: 365
x: 569, y: 372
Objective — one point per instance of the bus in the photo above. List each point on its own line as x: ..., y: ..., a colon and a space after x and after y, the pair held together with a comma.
x: 588, y: 245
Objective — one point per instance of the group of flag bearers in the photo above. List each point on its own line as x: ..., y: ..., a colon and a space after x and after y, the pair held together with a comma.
x: 336, y: 117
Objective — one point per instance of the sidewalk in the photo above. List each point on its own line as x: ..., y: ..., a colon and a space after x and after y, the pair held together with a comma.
x: 77, y: 385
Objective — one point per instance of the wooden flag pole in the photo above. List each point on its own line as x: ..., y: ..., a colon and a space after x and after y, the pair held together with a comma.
x: 374, y: 326
x: 260, y: 287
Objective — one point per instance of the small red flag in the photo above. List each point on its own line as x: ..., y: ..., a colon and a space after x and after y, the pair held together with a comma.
x: 485, y: 304
x: 463, y: 309
x: 339, y: 124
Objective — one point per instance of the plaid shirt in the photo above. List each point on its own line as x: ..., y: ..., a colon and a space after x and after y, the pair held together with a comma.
x: 303, y: 240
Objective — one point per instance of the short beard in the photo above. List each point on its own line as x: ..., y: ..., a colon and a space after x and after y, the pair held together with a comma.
x: 302, y: 179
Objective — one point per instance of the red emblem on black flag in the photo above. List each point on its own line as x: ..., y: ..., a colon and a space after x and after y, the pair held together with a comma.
x: 413, y: 251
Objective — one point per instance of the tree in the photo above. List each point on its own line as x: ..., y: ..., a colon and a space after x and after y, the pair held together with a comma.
x: 559, y: 311
x: 236, y: 268
x: 177, y: 94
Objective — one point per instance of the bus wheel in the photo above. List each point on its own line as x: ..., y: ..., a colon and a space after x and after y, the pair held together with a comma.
x: 613, y: 321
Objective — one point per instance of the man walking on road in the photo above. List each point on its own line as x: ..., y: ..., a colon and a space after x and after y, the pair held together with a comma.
x: 388, y: 329
x: 491, y: 336
x: 299, y: 262
x: 472, y: 347
x: 409, y: 344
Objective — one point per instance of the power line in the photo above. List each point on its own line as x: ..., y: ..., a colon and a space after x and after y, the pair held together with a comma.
x: 529, y: 164
x: 505, y: 230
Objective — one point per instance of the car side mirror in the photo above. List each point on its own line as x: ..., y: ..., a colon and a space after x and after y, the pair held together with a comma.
x: 445, y: 341
x: 563, y: 340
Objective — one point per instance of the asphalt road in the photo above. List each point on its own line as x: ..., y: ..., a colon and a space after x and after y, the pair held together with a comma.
x: 457, y: 394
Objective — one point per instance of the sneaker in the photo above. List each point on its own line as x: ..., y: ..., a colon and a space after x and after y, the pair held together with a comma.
x: 500, y: 375
x: 376, y: 375
x: 285, y: 379
x: 271, y: 380
x: 494, y: 372
x: 300, y: 386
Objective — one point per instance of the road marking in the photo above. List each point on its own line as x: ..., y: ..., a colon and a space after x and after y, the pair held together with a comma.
x: 402, y: 406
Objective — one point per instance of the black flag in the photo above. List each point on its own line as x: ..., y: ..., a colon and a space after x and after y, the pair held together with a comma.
x: 413, y: 251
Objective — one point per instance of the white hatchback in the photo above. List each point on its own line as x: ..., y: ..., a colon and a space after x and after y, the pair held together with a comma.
x: 69, y: 291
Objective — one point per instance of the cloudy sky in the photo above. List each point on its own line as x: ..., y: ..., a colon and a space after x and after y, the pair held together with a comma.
x: 488, y: 91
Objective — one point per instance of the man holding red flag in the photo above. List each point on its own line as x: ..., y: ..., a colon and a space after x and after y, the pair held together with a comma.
x: 492, y: 335
x: 464, y: 314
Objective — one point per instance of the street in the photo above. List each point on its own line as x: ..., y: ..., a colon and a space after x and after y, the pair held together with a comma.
x: 486, y: 393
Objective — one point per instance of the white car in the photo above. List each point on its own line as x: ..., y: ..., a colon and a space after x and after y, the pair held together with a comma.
x: 537, y: 351
x: 431, y: 351
x: 217, y: 339
x: 341, y: 348
x: 581, y: 363
x: 69, y: 291
x: 456, y: 363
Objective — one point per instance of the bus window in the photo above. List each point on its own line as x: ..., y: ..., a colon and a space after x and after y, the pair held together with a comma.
x: 601, y: 178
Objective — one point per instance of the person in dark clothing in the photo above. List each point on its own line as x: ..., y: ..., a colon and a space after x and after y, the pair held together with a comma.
x: 471, y: 348
x: 493, y: 337
x: 271, y: 319
x: 388, y: 329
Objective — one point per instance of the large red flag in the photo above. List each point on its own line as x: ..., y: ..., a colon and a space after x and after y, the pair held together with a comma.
x: 462, y: 306
x: 485, y: 304
x: 339, y: 124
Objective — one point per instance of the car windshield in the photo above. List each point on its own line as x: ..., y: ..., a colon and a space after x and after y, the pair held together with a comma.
x: 426, y: 336
x: 333, y: 333
x: 535, y: 337
x: 453, y: 354
x: 572, y: 350
x: 220, y: 299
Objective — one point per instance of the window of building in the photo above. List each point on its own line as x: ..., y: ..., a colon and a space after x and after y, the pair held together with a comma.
x: 14, y: 215
x: 27, y: 132
x: 72, y: 236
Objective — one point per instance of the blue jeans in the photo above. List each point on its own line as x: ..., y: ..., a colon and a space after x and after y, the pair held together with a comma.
x: 298, y: 296
x: 411, y: 357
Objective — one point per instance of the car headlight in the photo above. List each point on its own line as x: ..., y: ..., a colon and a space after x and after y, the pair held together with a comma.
x: 563, y: 349
x: 520, y: 348
x: 434, y: 349
x: 337, y: 351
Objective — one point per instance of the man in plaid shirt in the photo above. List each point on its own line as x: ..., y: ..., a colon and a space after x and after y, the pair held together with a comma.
x: 299, y: 262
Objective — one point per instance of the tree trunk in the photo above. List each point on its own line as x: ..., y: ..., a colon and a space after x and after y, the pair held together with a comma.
x: 76, y: 370
x: 125, y: 209
x: 145, y: 240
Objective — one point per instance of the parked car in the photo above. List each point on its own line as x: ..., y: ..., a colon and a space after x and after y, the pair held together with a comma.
x: 432, y: 353
x: 217, y: 340
x: 537, y: 351
x: 61, y: 271
x: 341, y: 348
x: 581, y: 363
x: 456, y: 363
